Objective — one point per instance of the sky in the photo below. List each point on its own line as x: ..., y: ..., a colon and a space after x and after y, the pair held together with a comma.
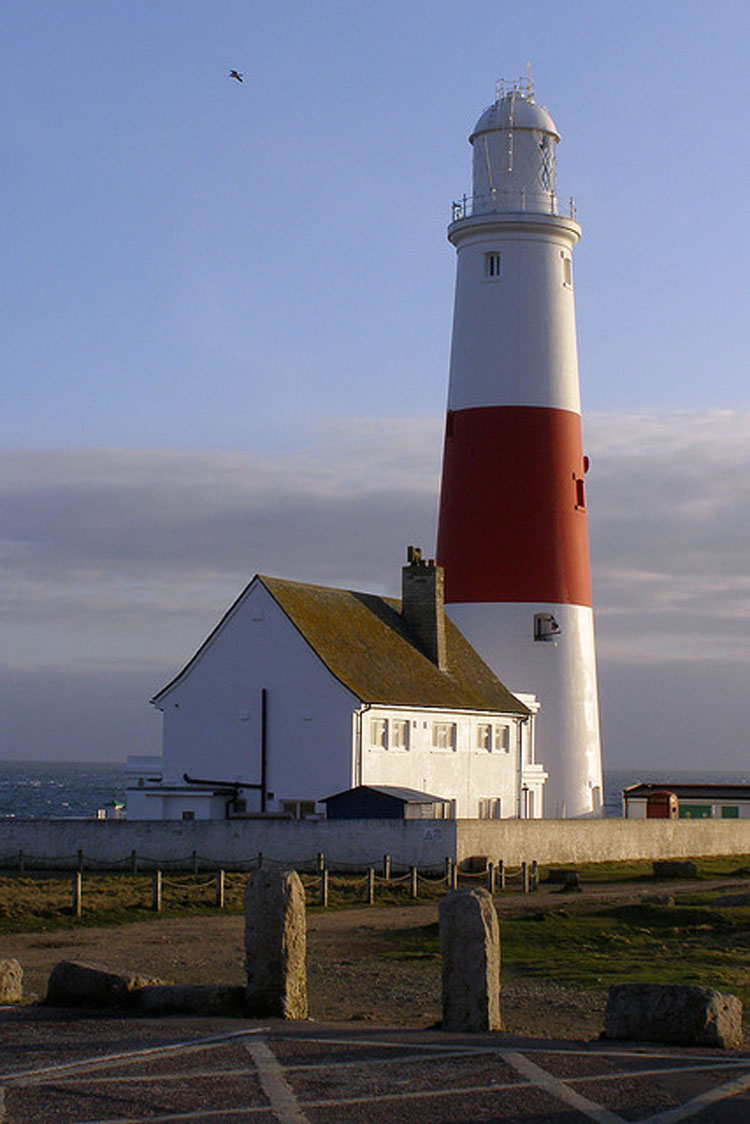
x: 227, y: 313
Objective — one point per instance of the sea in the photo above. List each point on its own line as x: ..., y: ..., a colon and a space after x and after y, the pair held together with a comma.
x: 51, y: 790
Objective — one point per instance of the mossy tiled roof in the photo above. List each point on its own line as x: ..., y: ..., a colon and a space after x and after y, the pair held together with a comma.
x: 361, y: 639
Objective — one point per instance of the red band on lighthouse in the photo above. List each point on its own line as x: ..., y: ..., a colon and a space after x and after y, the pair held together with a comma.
x: 513, y: 489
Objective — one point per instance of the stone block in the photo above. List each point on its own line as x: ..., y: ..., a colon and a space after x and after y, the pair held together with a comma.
x: 673, y: 1014
x: 675, y: 868
x: 11, y: 981
x: 561, y: 875
x: 199, y: 999
x: 73, y: 984
x: 275, y: 944
x: 470, y: 949
x: 736, y: 901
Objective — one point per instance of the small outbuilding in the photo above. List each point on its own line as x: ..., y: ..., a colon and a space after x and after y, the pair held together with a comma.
x: 386, y: 802
x: 694, y: 801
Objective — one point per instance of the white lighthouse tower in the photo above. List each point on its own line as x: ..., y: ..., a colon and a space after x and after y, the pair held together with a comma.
x: 512, y: 532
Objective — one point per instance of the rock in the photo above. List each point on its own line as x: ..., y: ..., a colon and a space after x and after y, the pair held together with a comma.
x: 208, y: 999
x: 732, y: 900
x: 11, y: 981
x: 72, y: 984
x: 474, y: 864
x: 470, y: 948
x: 674, y: 1014
x: 572, y: 884
x: 657, y: 899
x: 275, y: 944
x: 674, y: 868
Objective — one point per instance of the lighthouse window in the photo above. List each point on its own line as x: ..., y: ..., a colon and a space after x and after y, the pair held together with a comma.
x: 580, y: 492
x: 493, y: 266
x: 547, y: 170
x: 567, y: 265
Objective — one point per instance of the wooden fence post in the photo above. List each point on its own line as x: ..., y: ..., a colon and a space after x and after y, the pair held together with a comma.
x: 500, y: 874
x: 371, y: 885
x: 448, y: 870
x: 454, y: 876
x: 77, y: 893
x: 324, y: 888
x: 195, y: 862
x: 79, y: 860
x: 156, y: 891
x: 133, y: 862
x: 413, y: 886
x: 525, y: 877
x: 219, y: 889
x: 260, y: 859
x: 534, y: 880
x: 491, y: 876
x: 387, y: 867
x: 321, y: 861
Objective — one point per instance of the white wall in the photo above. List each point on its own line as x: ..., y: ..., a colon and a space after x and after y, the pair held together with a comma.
x: 465, y: 773
x: 212, y: 715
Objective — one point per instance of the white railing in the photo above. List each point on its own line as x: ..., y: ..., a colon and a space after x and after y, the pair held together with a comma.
x: 504, y: 201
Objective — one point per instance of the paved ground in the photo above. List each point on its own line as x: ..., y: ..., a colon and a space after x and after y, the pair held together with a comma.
x: 61, y: 1067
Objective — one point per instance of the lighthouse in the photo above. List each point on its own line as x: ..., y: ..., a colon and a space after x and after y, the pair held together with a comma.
x: 512, y: 533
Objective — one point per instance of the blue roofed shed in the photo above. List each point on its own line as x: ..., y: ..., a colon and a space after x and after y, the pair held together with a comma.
x: 386, y: 802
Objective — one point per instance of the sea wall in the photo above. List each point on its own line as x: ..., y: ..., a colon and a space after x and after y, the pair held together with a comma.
x: 361, y: 843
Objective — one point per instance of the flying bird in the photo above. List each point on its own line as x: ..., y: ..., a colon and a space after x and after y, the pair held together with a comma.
x: 235, y: 74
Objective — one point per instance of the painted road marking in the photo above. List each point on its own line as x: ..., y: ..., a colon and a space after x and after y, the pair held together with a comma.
x: 562, y: 1092
x: 274, y: 1084
x: 188, y: 1046
x: 289, y: 1110
x: 697, y: 1104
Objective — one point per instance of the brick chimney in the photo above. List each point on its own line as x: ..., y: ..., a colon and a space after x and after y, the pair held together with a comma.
x: 422, y: 605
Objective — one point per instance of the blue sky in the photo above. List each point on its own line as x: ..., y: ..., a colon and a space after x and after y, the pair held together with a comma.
x: 227, y: 318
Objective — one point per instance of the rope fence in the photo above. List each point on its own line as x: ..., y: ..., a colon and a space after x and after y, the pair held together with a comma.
x: 194, y: 880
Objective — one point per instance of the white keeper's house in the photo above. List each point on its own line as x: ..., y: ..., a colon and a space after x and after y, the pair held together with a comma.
x: 302, y: 691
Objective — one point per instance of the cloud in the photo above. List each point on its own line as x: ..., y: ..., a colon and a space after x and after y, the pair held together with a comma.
x: 670, y: 507
x: 118, y: 562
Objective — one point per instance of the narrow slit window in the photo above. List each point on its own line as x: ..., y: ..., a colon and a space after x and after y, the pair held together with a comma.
x: 580, y: 492
x: 493, y: 266
x: 567, y: 265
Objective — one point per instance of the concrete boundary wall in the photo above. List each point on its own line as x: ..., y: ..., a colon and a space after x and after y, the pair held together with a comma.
x: 361, y: 843
x: 578, y: 841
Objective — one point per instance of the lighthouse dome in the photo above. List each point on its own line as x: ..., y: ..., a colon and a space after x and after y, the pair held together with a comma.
x: 516, y: 110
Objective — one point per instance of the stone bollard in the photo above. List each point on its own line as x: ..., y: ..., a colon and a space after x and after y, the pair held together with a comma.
x: 11, y: 981
x: 470, y: 949
x: 275, y: 943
